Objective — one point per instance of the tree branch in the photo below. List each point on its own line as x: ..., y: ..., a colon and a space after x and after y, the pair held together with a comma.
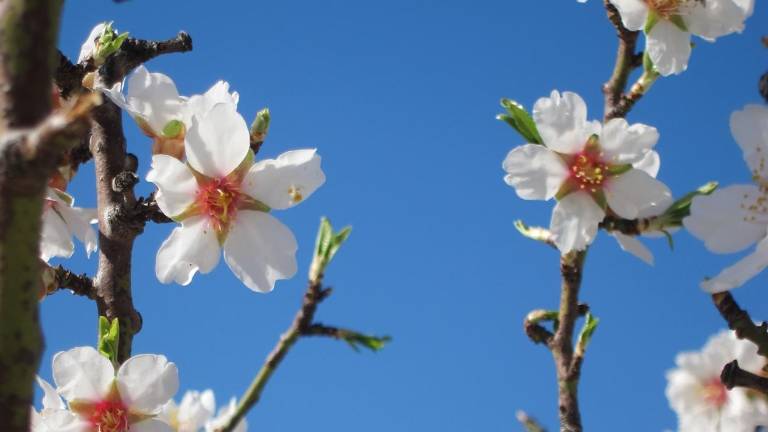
x: 28, y: 31
x: 734, y: 376
x: 739, y: 321
x: 80, y: 285
x: 626, y: 61
x: 134, y: 52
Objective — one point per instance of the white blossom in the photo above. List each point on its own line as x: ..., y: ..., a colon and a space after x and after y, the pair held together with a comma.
x: 61, y: 220
x: 195, y: 410
x: 223, y: 416
x: 155, y: 104
x: 671, y: 23
x: 733, y: 218
x: 699, y: 398
x: 54, y: 416
x: 588, y: 168
x: 105, y: 400
x: 222, y: 200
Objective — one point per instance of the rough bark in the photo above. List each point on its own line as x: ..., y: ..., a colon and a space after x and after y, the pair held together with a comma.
x: 28, y: 31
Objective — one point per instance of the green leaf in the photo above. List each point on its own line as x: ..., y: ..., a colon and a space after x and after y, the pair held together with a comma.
x: 109, y: 336
x: 373, y: 343
x: 520, y: 120
x: 326, y: 246
x: 590, y: 325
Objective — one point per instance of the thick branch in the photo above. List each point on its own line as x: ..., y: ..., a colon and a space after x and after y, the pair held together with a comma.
x: 113, y: 279
x: 616, y: 103
x: 28, y: 30
x: 734, y: 376
x: 739, y: 321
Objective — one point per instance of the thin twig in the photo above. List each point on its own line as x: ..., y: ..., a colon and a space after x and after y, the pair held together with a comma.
x: 529, y: 423
x: 80, y: 284
x: 626, y: 61
x: 134, y: 52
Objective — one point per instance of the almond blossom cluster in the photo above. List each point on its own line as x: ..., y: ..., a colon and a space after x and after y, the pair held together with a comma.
x: 91, y: 396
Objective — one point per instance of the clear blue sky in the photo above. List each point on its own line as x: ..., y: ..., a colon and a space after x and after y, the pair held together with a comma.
x: 400, y: 97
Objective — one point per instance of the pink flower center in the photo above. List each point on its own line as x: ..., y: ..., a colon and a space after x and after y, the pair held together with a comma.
x: 110, y: 416
x: 219, y: 201
x: 587, y: 170
x: 715, y: 392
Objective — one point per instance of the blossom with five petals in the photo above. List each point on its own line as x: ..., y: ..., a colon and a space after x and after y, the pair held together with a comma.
x: 590, y: 169
x: 222, y: 200
x: 60, y: 221
x: 700, y: 399
x: 155, y: 104
x: 670, y: 23
x: 733, y: 218
x: 107, y: 401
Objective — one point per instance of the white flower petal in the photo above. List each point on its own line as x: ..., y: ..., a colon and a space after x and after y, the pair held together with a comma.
x: 190, y: 248
x: 115, y: 94
x: 150, y: 425
x: 715, y: 18
x: 59, y: 420
x: 633, y: 191
x: 55, y: 238
x: 224, y: 414
x: 82, y: 374
x: 625, y: 144
x: 79, y: 222
x: 574, y: 222
x: 154, y: 97
x: 284, y: 182
x: 650, y: 163
x: 534, y: 171
x: 723, y: 219
x: 177, y: 187
x: 260, y: 250
x: 669, y: 48
x: 739, y: 273
x: 146, y: 382
x: 199, y: 105
x: 217, y: 142
x: 562, y: 122
x: 195, y: 410
x: 750, y: 130
x: 634, y: 246
x: 86, y: 50
x: 633, y: 13
x: 51, y: 399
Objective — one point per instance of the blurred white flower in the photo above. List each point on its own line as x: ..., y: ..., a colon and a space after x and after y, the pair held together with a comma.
x: 195, y: 410
x: 89, y: 46
x: 670, y: 23
x: 128, y: 400
x: 588, y: 168
x: 701, y: 401
x: 223, y: 416
x: 222, y: 200
x: 61, y: 220
x: 733, y: 218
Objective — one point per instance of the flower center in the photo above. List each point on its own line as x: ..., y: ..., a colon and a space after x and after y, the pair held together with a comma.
x: 588, y: 171
x: 219, y: 201
x: 110, y: 416
x: 715, y: 393
x: 665, y: 8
